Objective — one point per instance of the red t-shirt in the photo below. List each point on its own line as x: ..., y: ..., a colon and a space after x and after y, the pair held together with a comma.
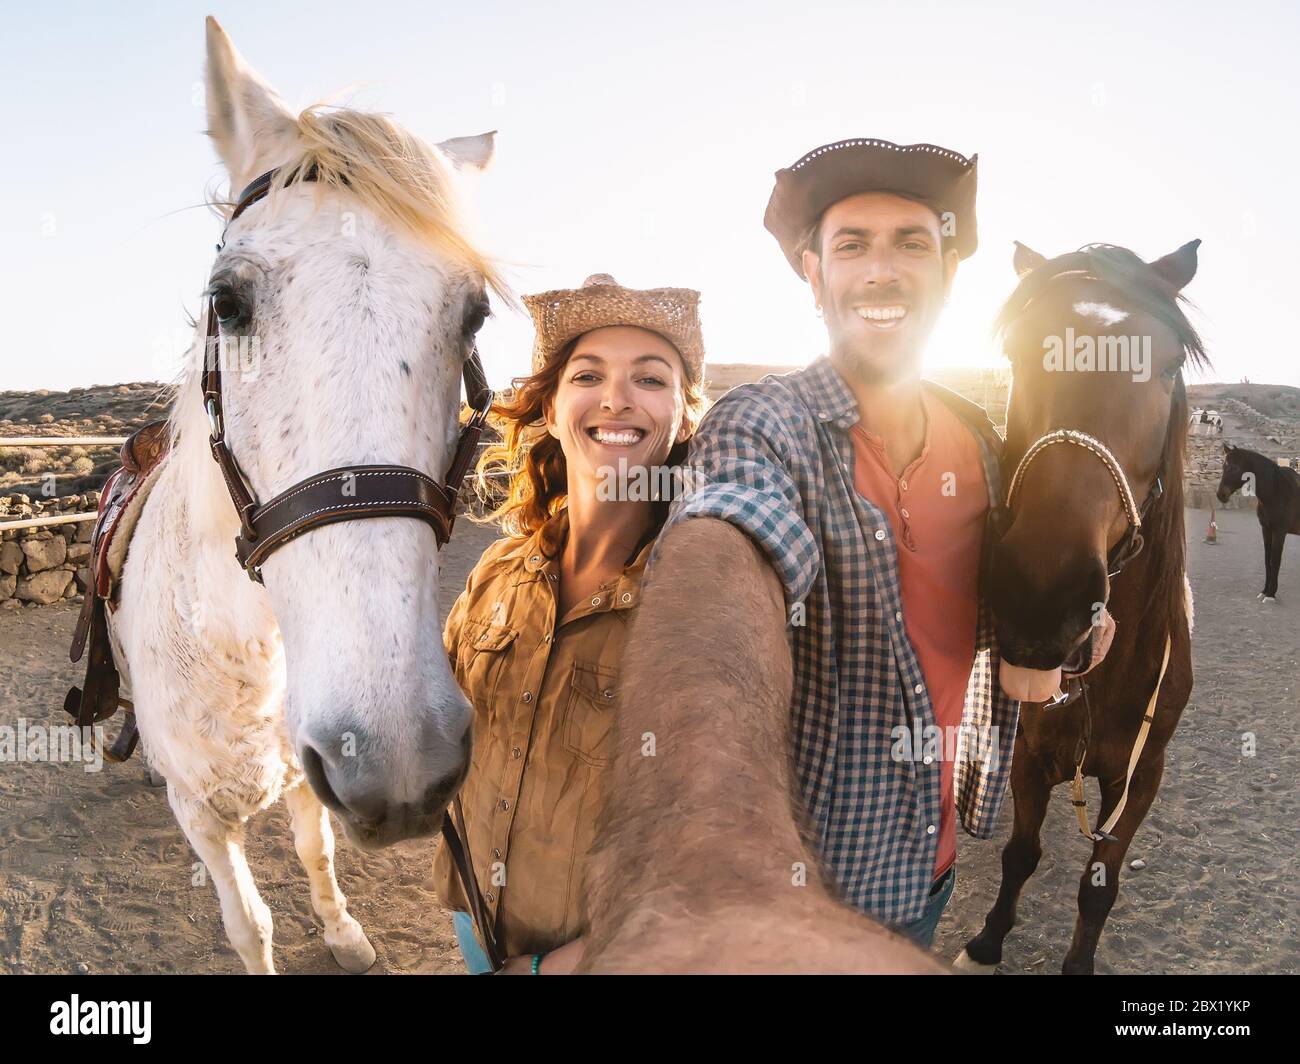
x: 936, y: 510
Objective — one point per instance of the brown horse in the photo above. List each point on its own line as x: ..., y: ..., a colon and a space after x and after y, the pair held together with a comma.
x: 1278, y: 493
x: 1095, y: 430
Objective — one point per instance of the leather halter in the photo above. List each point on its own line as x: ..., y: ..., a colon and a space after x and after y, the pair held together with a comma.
x: 346, y: 493
x: 1131, y: 543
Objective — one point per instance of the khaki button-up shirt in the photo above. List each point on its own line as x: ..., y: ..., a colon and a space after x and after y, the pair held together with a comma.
x: 544, y: 696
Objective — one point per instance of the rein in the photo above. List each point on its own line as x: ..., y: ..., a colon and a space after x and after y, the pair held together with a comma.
x: 348, y: 493
x: 1077, y: 799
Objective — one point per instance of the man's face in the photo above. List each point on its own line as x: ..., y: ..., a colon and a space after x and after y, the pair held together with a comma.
x: 880, y: 276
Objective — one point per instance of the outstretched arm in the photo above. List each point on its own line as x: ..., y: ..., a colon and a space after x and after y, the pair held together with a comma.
x: 699, y: 865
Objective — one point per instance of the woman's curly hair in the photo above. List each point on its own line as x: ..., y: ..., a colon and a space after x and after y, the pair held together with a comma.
x: 532, y: 459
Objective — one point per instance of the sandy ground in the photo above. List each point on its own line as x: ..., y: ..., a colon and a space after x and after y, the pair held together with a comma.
x: 94, y: 871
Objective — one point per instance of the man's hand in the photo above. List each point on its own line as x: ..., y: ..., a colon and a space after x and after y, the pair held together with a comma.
x: 699, y: 865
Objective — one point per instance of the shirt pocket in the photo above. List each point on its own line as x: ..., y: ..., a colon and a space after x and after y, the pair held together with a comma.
x: 589, y: 716
x: 485, y: 651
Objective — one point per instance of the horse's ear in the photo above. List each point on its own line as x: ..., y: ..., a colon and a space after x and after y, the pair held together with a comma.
x: 1178, y: 267
x: 1026, y: 259
x: 470, y: 152
x: 252, y: 127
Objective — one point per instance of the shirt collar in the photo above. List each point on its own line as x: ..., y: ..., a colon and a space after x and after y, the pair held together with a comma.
x: 542, y: 548
x: 825, y: 392
x: 541, y: 553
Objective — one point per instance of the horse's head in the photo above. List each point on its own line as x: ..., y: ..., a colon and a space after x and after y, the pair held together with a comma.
x: 1236, y: 470
x: 347, y: 307
x: 1097, y: 342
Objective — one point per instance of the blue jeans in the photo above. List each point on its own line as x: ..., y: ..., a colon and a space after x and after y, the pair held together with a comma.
x: 921, y: 930
x: 476, y: 961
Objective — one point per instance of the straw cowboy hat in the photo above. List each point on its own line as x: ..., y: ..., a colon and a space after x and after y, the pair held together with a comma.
x: 943, y: 180
x: 565, y: 313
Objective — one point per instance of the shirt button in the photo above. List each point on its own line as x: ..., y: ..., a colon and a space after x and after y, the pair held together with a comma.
x: 607, y: 693
x: 930, y: 830
x: 898, y: 616
x: 880, y: 533
x: 496, y: 853
x: 505, y: 804
x: 919, y: 688
x: 490, y: 896
x: 902, y: 484
x: 535, y: 558
x: 627, y: 597
x: 549, y: 637
x: 516, y: 753
x: 550, y: 576
x: 596, y: 601
x: 528, y: 695
x: 482, y: 637
x: 904, y: 513
x: 927, y: 760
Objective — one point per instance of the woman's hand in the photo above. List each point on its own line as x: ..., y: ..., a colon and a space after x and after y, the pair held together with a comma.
x: 522, y: 965
x: 560, y: 961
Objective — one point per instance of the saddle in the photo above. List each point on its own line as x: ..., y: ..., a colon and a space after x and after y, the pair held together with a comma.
x: 120, y: 505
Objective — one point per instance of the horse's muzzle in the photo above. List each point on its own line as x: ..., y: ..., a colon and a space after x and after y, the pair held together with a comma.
x: 1045, y: 617
x: 360, y: 790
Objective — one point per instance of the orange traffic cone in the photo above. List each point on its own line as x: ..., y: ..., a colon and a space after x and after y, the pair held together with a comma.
x: 1212, y: 534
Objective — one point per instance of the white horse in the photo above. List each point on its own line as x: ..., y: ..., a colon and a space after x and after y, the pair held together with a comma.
x: 328, y: 684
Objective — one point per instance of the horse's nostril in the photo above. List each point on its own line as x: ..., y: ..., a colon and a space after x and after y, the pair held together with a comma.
x: 439, y: 795
x: 318, y: 780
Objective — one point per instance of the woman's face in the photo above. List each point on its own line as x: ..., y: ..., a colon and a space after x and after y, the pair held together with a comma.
x: 620, y: 396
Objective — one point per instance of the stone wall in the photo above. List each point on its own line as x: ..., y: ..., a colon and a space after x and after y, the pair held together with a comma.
x: 39, y: 566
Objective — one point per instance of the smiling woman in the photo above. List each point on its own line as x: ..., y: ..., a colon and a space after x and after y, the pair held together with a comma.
x: 536, y: 639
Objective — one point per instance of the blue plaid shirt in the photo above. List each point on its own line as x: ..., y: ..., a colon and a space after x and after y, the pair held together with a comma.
x: 775, y: 459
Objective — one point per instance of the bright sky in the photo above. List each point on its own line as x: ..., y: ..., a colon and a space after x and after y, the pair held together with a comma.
x: 641, y: 139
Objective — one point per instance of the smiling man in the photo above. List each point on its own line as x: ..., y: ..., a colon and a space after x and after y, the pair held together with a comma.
x: 869, y: 494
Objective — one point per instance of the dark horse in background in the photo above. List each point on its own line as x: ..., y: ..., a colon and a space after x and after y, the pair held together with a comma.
x: 1278, y: 493
x: 1094, y: 523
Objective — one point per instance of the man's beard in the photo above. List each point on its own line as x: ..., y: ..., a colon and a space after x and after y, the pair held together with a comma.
x: 854, y: 362
x: 862, y: 368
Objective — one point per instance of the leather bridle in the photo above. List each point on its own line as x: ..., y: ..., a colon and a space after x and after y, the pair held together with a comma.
x: 1131, y: 543
x: 346, y: 493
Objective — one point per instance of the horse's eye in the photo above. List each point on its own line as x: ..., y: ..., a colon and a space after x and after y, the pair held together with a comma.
x: 226, y: 306
x: 475, y: 315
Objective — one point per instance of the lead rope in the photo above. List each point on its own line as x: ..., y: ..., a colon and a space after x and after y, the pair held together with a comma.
x: 1103, y: 832
x: 464, y: 865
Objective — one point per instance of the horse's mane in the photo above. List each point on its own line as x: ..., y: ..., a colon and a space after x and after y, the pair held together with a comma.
x: 1118, y: 268
x: 391, y: 171
x: 1164, y: 527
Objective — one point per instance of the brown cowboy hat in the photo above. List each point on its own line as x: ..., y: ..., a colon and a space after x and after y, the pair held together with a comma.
x: 566, y: 313
x: 941, y: 179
